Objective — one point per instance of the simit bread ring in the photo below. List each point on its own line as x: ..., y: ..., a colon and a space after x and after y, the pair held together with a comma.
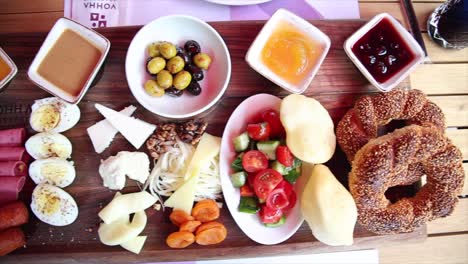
x: 360, y: 124
x: 383, y: 162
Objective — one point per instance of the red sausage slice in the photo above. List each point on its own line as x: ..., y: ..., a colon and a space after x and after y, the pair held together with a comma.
x: 13, y: 168
x: 11, y: 239
x: 9, y: 188
x: 13, y: 154
x: 12, y: 137
x: 13, y: 214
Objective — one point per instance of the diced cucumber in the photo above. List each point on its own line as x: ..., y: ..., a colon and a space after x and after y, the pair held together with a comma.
x: 293, y: 175
x: 248, y: 205
x: 279, y: 223
x: 236, y: 165
x: 241, y: 142
x: 277, y: 166
x: 269, y: 148
x: 238, y: 179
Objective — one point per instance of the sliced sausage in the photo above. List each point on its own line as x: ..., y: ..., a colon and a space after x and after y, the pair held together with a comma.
x: 14, y: 153
x: 10, y: 187
x: 13, y: 168
x: 12, y: 137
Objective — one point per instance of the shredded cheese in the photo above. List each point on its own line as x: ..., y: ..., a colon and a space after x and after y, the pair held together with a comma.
x: 169, y: 171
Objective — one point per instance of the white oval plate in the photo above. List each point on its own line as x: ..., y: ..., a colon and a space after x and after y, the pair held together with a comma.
x: 238, y: 2
x: 248, y: 223
x: 178, y: 29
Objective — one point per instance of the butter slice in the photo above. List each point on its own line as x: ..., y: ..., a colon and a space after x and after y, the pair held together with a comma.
x: 134, y: 130
x: 102, y: 133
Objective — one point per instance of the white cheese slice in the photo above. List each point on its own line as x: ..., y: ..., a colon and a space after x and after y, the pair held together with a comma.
x: 102, y: 133
x: 207, y: 149
x: 134, y: 130
x: 121, y: 231
x: 184, y: 196
x: 135, y: 244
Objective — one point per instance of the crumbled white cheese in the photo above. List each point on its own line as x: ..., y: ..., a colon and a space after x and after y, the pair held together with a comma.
x: 113, y: 170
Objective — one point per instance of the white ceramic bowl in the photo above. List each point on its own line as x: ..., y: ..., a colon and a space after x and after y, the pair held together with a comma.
x: 406, y: 37
x: 178, y: 29
x: 13, y: 68
x: 98, y: 40
x: 253, y: 56
x: 250, y: 223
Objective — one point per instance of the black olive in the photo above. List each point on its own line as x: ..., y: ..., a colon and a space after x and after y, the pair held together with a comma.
x: 194, y: 88
x: 179, y: 49
x: 192, y: 47
x: 197, y: 73
x: 174, y: 92
x: 187, y: 59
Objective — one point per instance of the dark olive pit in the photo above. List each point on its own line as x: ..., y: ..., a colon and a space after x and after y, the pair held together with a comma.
x: 383, y: 51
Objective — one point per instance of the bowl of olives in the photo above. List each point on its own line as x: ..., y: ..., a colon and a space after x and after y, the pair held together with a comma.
x: 177, y: 66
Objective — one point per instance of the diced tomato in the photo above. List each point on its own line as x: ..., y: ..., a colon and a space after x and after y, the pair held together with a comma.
x: 251, y: 179
x: 265, y: 181
x: 259, y: 131
x: 254, y: 161
x: 284, y: 156
x: 290, y: 193
x: 269, y: 215
x: 292, y: 201
x: 277, y: 199
x: 272, y: 117
x: 246, y: 191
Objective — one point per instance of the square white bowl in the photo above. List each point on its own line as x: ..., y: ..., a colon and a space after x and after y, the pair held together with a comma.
x: 12, y: 66
x: 414, y: 47
x: 253, y: 56
x: 98, y: 40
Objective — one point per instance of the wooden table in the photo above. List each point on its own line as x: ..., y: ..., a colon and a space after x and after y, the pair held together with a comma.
x: 444, y: 78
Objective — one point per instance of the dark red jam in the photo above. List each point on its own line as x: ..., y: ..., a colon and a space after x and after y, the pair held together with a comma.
x: 383, y: 51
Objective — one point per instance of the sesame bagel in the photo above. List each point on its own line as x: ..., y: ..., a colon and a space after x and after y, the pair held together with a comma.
x: 360, y: 124
x: 383, y: 163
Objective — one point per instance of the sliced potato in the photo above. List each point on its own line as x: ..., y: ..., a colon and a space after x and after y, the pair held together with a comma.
x: 328, y: 208
x: 310, y: 133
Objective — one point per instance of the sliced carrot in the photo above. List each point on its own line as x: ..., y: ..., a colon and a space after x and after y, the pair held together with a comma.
x: 179, y: 217
x: 205, y: 211
x: 190, y: 226
x: 211, y: 233
x: 180, y: 239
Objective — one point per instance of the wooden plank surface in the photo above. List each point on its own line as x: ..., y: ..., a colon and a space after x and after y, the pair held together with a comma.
x: 455, y: 109
x: 28, y: 6
x: 460, y: 139
x: 441, y: 78
x: 437, y: 249
x: 457, y: 222
x: 29, y: 22
x: 336, y: 85
x: 438, y: 54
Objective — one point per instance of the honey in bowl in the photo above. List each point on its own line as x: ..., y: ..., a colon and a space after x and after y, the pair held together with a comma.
x: 290, y: 54
x: 70, y: 62
x: 5, y: 69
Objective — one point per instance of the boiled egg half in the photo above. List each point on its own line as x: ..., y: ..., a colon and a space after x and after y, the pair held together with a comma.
x: 48, y: 145
x: 55, y: 171
x: 53, y: 205
x: 53, y: 115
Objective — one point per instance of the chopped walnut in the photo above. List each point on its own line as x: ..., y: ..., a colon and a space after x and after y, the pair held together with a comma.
x: 191, y: 131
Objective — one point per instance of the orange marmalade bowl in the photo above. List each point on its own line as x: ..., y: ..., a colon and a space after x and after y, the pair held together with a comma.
x: 288, y: 51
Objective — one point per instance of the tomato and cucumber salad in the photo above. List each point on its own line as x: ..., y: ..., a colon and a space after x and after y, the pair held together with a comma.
x: 265, y: 170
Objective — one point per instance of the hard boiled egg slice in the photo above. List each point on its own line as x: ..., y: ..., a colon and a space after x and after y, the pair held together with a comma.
x: 53, y: 205
x: 55, y: 171
x: 48, y: 145
x: 53, y: 115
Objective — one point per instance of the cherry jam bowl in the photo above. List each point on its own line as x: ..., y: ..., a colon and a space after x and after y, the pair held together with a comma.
x: 384, y: 51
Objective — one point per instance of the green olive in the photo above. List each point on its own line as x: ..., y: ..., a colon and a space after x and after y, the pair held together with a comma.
x: 202, y: 60
x: 164, y: 79
x: 175, y: 65
x: 153, y: 89
x: 155, y: 65
x: 168, y: 50
x: 182, y: 80
x: 153, y: 49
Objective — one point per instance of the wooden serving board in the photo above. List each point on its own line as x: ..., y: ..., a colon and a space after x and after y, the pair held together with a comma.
x: 337, y: 84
